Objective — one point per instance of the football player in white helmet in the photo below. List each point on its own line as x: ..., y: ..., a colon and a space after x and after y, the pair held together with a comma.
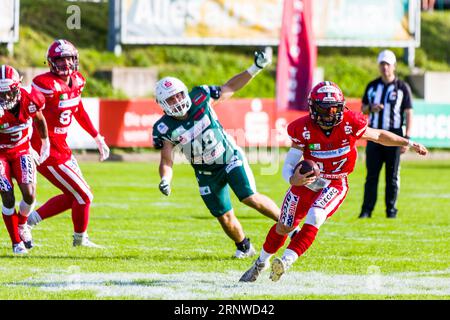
x: 190, y: 123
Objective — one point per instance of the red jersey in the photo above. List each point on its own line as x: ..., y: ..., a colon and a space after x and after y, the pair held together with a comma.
x: 62, y: 102
x: 16, y: 128
x: 335, y: 154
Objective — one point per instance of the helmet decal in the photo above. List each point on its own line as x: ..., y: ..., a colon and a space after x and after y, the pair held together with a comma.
x: 326, y: 104
x: 173, y: 96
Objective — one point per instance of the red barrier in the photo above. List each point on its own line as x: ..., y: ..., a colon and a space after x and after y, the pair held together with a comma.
x: 251, y: 122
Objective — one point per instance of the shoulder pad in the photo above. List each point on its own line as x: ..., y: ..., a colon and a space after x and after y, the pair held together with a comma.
x: 44, y: 83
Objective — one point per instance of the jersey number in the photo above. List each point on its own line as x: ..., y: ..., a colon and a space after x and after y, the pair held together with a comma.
x: 65, y: 117
x: 338, y: 164
x: 16, y: 136
x: 209, y: 141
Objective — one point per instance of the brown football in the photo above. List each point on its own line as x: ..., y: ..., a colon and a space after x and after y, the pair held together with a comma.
x: 308, y: 165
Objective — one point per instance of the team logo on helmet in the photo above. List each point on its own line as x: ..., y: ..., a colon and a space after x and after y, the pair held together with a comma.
x: 173, y: 96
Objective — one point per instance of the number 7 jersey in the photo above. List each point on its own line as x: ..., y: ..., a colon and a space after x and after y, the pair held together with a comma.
x: 335, y: 153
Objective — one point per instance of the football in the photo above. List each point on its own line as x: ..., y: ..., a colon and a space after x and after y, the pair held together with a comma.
x: 308, y: 165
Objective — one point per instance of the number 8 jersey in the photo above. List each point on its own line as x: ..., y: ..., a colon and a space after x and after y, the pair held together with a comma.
x: 62, y: 102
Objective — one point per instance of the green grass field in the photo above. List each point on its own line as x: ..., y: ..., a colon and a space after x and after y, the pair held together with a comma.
x: 171, y: 248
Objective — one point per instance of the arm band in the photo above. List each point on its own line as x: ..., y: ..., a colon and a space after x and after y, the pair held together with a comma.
x: 292, y: 158
x: 253, y: 70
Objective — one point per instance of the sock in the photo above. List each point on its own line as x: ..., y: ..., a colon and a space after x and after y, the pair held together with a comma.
x: 303, y: 239
x: 11, y: 218
x: 54, y: 206
x: 24, y: 211
x: 80, y: 234
x: 290, y: 256
x: 21, y: 219
x: 80, y: 216
x: 264, y: 256
x: 244, y: 245
x: 274, y: 241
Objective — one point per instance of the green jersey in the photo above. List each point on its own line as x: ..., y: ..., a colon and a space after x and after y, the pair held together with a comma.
x: 200, y: 136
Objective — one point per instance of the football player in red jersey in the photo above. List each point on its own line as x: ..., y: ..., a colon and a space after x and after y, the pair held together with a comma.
x: 327, y: 136
x: 18, y: 107
x: 62, y: 88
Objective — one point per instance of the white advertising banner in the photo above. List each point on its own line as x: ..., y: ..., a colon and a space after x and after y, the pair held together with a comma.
x: 258, y: 22
x: 237, y: 22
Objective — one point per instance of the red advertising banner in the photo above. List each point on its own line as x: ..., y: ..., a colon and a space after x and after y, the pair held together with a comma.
x: 251, y: 122
x: 128, y: 123
x: 297, y: 54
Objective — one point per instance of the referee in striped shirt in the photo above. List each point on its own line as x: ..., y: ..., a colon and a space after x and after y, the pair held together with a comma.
x: 387, y: 101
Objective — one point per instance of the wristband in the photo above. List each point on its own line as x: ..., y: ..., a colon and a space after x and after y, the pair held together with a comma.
x: 254, y: 70
x: 410, y: 143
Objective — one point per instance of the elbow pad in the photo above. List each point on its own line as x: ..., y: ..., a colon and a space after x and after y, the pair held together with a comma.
x: 292, y: 158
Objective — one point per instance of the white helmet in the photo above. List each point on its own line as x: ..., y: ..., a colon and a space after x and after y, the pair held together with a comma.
x: 168, y: 87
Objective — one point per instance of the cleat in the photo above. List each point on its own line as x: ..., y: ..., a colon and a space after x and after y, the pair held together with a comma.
x: 253, y: 273
x: 83, y: 241
x: 279, y: 267
x: 244, y: 254
x: 19, y: 248
x: 25, y: 235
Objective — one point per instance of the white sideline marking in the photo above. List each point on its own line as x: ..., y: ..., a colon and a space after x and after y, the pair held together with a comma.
x: 197, y: 285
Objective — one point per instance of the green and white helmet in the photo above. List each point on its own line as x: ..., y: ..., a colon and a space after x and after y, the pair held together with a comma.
x: 168, y: 87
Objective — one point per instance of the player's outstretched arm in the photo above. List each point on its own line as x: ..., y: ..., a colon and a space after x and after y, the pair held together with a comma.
x: 165, y: 168
x: 261, y: 61
x: 390, y: 139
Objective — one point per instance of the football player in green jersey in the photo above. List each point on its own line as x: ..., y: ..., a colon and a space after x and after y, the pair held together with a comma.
x: 190, y: 123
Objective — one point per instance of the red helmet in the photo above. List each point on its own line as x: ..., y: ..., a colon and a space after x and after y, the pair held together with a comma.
x: 60, y: 49
x: 9, y: 87
x: 326, y: 104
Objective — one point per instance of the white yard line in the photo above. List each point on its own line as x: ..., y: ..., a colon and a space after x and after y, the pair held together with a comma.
x: 197, y: 285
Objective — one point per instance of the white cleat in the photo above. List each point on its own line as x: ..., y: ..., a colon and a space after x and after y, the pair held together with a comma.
x: 279, y: 267
x: 83, y: 241
x: 255, y: 270
x: 19, y: 248
x: 244, y: 254
x: 25, y: 235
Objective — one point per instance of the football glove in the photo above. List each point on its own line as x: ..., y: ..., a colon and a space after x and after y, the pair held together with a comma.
x: 262, y: 59
x: 164, y: 187
x: 102, y: 147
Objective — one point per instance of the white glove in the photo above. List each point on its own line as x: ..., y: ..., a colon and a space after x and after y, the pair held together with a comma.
x: 2, y: 112
x: 102, y: 147
x: 45, y: 151
x: 262, y: 60
x: 164, y: 187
